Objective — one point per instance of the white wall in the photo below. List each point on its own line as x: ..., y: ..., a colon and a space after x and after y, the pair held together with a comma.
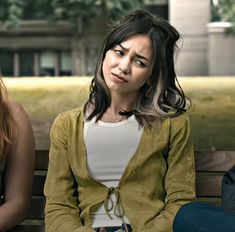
x: 190, y: 18
x: 221, y: 50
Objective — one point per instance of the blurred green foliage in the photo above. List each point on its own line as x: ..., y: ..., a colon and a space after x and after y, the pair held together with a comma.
x: 12, y: 11
x: 224, y: 10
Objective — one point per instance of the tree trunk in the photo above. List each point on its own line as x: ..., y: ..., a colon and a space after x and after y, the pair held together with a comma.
x: 78, y: 51
x: 78, y: 56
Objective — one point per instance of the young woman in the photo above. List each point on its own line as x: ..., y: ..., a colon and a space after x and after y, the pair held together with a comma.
x: 16, y: 161
x: 124, y: 161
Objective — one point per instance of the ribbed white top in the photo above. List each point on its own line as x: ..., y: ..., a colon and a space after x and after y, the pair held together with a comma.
x: 109, y: 148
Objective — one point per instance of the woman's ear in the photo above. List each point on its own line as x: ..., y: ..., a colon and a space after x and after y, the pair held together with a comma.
x: 149, y: 81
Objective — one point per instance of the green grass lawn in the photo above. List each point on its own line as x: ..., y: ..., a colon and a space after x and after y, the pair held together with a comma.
x: 212, y: 114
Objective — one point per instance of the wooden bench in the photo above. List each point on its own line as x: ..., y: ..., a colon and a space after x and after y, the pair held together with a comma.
x: 210, y: 167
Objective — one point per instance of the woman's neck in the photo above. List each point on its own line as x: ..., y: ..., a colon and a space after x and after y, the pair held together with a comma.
x: 121, y: 103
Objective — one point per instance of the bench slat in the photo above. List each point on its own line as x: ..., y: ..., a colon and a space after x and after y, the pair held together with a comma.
x: 28, y: 228
x: 205, y: 160
x: 208, y: 186
x: 38, y: 185
x: 210, y: 167
x: 41, y: 162
x: 36, y: 208
x: 219, y: 161
x: 212, y: 200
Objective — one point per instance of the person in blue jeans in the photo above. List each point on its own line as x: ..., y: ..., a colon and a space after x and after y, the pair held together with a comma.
x: 203, y: 217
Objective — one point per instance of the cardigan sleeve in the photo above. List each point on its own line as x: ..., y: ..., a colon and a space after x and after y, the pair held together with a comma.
x: 61, y: 211
x: 180, y: 176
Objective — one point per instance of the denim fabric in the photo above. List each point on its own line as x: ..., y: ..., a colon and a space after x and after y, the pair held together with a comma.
x: 116, y: 228
x: 110, y: 229
x: 203, y: 217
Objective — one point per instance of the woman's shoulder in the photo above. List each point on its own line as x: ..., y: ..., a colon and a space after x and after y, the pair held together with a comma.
x: 72, y: 114
x: 14, y: 107
x: 65, y: 121
x: 21, y: 120
x: 180, y: 122
x: 17, y: 111
x: 75, y: 112
x: 174, y: 120
x: 181, y: 118
x: 172, y: 124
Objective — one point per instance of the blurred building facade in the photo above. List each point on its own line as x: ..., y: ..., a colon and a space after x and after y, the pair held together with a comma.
x: 38, y: 48
x: 206, y: 47
x: 191, y: 18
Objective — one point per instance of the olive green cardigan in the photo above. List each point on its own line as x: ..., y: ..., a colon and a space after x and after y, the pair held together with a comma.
x: 151, y: 189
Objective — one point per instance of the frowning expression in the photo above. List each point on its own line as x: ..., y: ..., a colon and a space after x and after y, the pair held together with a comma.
x: 128, y: 65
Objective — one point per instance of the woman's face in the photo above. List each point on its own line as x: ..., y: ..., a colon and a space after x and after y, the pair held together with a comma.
x: 128, y: 65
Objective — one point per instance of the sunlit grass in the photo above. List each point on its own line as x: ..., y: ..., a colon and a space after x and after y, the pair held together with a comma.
x: 213, y: 111
x: 46, y: 97
x: 212, y: 114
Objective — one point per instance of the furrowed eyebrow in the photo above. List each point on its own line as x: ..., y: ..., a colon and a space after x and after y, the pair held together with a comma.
x: 136, y: 54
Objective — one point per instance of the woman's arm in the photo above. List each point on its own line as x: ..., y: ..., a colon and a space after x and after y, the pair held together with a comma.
x: 61, y: 212
x: 18, y: 175
x: 180, y: 177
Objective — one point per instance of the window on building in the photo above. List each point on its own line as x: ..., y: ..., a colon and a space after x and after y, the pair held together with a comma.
x: 26, y: 63
x: 47, y: 63
x: 6, y: 63
x: 65, y: 64
x: 35, y: 63
x: 91, y: 57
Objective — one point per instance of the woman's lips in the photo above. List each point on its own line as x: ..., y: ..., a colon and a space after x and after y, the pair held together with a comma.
x: 118, y: 78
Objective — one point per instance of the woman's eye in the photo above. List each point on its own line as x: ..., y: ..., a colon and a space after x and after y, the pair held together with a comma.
x: 140, y: 63
x: 119, y: 52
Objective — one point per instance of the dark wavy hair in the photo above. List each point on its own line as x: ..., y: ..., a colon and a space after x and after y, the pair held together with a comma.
x: 166, y: 98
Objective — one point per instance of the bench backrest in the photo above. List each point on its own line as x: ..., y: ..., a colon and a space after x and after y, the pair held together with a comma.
x: 210, y: 167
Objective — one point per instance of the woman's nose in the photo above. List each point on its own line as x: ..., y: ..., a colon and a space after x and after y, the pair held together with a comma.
x: 125, y: 65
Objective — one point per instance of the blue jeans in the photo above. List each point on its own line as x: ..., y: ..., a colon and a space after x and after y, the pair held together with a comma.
x: 109, y: 229
x: 116, y: 228
x: 203, y: 217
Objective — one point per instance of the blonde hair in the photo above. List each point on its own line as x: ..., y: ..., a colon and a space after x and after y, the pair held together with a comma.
x: 7, y: 123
